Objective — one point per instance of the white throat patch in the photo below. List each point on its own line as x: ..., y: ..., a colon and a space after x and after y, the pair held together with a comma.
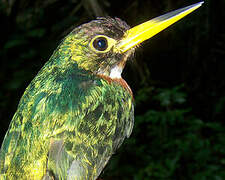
x: 116, y: 72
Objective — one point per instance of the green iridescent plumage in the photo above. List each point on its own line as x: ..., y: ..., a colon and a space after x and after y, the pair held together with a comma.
x: 78, y: 110
x: 70, y: 120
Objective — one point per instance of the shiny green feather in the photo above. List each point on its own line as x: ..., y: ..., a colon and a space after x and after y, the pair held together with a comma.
x: 69, y: 120
x: 78, y: 110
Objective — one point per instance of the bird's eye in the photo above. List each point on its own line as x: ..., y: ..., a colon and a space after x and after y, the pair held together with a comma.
x: 100, y: 43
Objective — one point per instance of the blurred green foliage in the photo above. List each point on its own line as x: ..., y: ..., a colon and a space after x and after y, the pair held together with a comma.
x: 177, y: 80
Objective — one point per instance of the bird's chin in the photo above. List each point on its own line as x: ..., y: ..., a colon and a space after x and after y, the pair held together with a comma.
x: 115, y: 71
x: 126, y: 56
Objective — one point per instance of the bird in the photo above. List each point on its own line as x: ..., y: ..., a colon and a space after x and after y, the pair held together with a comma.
x: 78, y: 109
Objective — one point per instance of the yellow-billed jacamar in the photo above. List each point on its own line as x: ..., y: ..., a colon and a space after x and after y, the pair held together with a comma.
x: 78, y: 110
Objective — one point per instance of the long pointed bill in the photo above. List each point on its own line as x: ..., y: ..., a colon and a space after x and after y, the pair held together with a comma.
x: 144, y: 31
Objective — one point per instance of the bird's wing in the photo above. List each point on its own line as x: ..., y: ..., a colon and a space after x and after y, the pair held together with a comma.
x: 70, y: 126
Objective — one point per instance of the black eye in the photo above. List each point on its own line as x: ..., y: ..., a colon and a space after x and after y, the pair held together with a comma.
x: 100, y: 43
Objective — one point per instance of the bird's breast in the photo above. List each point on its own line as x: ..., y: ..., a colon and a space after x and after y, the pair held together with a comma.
x: 119, y: 81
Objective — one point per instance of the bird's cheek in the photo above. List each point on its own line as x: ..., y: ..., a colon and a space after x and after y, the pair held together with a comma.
x: 118, y: 58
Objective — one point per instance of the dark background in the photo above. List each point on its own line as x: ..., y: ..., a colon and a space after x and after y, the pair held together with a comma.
x: 178, y: 80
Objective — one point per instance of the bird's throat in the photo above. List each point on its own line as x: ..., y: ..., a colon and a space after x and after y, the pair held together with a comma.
x: 115, y: 72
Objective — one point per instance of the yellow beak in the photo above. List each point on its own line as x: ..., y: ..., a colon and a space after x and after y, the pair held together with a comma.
x: 144, y: 31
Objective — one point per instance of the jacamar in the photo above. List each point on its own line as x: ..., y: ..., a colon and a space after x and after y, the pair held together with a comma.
x: 78, y: 109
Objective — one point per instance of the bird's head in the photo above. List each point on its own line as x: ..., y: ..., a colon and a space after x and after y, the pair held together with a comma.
x: 94, y: 45
x: 104, y: 45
